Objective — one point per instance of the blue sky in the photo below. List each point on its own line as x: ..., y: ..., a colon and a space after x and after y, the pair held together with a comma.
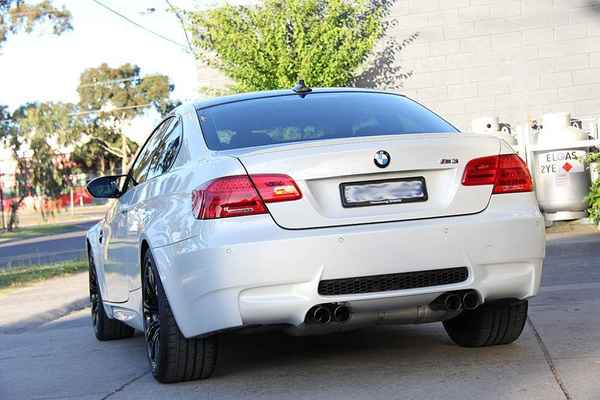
x: 44, y: 67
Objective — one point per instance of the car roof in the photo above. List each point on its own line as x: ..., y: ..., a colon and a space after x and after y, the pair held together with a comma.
x: 205, y: 103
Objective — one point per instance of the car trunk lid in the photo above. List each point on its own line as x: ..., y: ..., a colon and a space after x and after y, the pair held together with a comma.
x: 322, y: 169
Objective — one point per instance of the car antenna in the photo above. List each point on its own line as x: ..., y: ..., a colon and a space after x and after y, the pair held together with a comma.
x: 301, y: 87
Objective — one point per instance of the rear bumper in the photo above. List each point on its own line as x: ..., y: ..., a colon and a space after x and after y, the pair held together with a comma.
x: 253, y: 273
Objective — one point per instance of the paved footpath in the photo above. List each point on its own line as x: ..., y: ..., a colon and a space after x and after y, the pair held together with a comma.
x: 557, y: 357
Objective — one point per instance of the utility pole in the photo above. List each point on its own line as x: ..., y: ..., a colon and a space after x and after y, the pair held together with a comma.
x: 124, y: 150
x: 116, y: 123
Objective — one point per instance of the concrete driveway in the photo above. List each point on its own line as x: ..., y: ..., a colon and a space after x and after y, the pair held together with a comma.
x: 557, y: 357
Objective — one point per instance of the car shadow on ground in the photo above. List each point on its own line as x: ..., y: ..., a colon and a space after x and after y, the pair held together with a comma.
x: 386, y: 345
x: 377, y: 362
x: 400, y: 344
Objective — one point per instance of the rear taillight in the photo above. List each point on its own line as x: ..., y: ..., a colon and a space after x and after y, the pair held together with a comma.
x: 507, y: 172
x: 234, y: 196
x: 230, y: 196
x: 276, y: 187
x: 513, y: 175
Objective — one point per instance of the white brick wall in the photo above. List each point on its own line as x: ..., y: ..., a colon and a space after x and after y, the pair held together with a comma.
x: 209, y: 78
x: 512, y: 58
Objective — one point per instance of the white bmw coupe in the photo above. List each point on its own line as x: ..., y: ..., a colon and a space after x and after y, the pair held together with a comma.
x: 311, y: 211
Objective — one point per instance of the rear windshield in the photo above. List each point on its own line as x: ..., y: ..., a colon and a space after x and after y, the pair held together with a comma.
x: 316, y: 116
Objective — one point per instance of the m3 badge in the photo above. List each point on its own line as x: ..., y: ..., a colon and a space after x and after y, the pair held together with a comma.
x: 449, y: 161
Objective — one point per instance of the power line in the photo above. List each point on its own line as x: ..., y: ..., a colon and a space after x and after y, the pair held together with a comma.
x: 180, y: 18
x: 110, y: 81
x: 139, y: 25
x: 21, y: 13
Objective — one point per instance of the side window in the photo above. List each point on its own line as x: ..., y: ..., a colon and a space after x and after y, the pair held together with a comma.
x: 143, y: 162
x: 166, y: 151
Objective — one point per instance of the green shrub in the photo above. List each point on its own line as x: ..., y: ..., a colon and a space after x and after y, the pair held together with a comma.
x: 593, y: 198
x: 272, y: 44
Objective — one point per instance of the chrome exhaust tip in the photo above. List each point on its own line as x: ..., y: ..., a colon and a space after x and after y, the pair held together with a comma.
x: 471, y: 300
x: 341, y: 314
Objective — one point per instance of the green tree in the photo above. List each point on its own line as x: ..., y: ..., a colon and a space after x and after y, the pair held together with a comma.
x: 9, y: 138
x: 42, y: 128
x: 92, y: 158
x: 111, y: 97
x: 271, y: 45
x: 19, y: 16
x: 27, y: 133
x: 5, y: 122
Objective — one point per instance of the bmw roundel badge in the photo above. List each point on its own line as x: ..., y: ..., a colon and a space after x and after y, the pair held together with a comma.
x: 382, y: 159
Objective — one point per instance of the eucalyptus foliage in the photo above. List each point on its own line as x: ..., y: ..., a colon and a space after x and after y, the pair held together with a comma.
x: 110, y: 96
x: 123, y: 89
x: 27, y: 133
x: 24, y: 16
x: 18, y: 15
x: 41, y: 127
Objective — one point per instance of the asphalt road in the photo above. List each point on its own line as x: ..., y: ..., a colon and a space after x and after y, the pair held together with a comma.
x: 69, y: 245
x: 557, y: 357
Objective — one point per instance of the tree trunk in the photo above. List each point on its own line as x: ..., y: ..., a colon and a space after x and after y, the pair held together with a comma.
x: 45, y: 208
x: 13, y: 219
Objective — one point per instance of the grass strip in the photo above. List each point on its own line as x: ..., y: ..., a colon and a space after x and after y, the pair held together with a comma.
x: 21, y: 276
x: 37, y: 230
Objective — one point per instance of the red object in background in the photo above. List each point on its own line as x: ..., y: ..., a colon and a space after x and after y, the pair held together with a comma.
x: 64, y: 200
x: 78, y: 193
x: 6, y: 202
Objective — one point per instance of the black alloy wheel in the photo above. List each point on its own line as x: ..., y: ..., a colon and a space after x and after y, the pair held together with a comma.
x: 172, y: 356
x: 94, y: 292
x: 151, y: 314
x: 105, y: 328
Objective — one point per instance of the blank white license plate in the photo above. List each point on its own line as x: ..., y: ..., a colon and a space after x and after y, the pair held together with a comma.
x: 390, y: 191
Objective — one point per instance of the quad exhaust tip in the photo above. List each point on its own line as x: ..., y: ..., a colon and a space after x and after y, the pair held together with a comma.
x: 321, y: 315
x: 457, y: 301
x: 453, y: 302
x: 326, y: 313
x: 471, y: 300
x: 341, y: 314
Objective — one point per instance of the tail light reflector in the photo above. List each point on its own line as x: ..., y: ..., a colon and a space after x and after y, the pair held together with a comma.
x: 234, y: 196
x: 507, y: 172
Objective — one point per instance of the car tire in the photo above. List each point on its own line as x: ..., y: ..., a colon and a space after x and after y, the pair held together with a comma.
x: 173, y: 358
x: 490, y: 324
x: 105, y: 328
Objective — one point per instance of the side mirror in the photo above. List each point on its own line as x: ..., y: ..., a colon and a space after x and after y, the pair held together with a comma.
x: 105, y: 186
